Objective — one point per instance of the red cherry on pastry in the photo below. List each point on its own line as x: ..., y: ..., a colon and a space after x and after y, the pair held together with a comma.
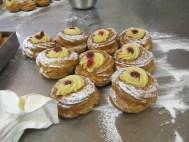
x: 135, y: 74
x: 72, y: 28
x: 130, y: 50
x: 101, y: 33
x: 89, y: 62
x: 40, y: 35
x: 57, y: 48
x: 67, y: 82
x: 90, y: 54
x: 135, y: 31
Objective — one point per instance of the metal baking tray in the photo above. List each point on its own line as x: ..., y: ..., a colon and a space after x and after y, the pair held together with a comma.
x: 8, y: 47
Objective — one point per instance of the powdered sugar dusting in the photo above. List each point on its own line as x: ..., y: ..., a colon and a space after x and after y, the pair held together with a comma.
x: 54, y: 62
x: 80, y: 96
x: 172, y: 98
x: 142, y: 41
x: 27, y: 44
x: 110, y: 41
x: 145, y: 58
x: 178, y: 138
x: 73, y: 38
x: 137, y: 93
x: 107, y: 121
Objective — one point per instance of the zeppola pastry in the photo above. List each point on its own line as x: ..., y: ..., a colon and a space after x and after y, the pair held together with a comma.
x: 76, y: 95
x: 133, y: 90
x: 13, y: 5
x: 137, y: 35
x: 28, y: 5
x: 56, y: 62
x: 104, y: 40
x: 43, y: 3
x: 97, y: 65
x: 73, y: 39
x: 36, y: 43
x: 133, y: 54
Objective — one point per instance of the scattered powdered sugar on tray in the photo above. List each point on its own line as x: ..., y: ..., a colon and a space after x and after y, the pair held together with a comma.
x: 178, y: 138
x: 157, y: 36
x: 172, y: 98
x: 165, y: 45
x: 107, y: 123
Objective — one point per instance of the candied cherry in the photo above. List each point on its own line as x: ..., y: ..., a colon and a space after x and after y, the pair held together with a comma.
x: 57, y: 48
x: 134, y: 31
x: 90, y: 62
x: 40, y: 35
x: 130, y: 50
x: 90, y: 54
x: 101, y: 33
x: 135, y: 74
x: 67, y: 82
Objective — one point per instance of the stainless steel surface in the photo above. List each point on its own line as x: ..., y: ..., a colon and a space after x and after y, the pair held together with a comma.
x: 168, y: 21
x: 8, y: 48
x: 82, y: 4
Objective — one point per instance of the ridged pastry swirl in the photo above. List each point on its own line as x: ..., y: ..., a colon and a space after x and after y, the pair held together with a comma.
x: 137, y: 35
x: 73, y: 38
x: 79, y: 97
x: 71, y: 84
x: 133, y: 54
x: 135, y: 76
x: 36, y: 43
x: 97, y: 65
x: 133, y: 89
x: 129, y: 52
x: 28, y: 5
x: 43, y: 2
x: 104, y: 40
x: 13, y: 5
x: 57, y: 64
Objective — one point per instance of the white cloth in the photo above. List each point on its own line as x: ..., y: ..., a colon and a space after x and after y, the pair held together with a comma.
x: 39, y: 112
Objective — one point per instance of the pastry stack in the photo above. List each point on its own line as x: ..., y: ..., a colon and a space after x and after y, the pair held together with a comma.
x: 25, y: 5
x: 84, y: 62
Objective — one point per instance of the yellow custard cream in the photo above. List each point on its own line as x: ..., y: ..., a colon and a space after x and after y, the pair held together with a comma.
x: 58, y: 52
x: 129, y: 52
x: 101, y: 35
x: 90, y: 64
x: 40, y: 38
x: 72, y: 31
x: 135, y: 33
x: 70, y: 84
x: 135, y: 76
x: 9, y: 3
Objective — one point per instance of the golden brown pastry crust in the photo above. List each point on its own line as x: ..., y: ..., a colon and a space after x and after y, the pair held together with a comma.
x: 110, y: 46
x: 76, y: 109
x: 53, y: 68
x: 145, y: 60
x: 76, y: 43
x: 43, y: 3
x: 100, y: 76
x: 32, y: 50
x: 28, y: 5
x: 15, y: 7
x: 146, y: 41
x: 127, y: 102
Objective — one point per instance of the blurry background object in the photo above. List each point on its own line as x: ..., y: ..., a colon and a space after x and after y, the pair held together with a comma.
x: 82, y: 4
